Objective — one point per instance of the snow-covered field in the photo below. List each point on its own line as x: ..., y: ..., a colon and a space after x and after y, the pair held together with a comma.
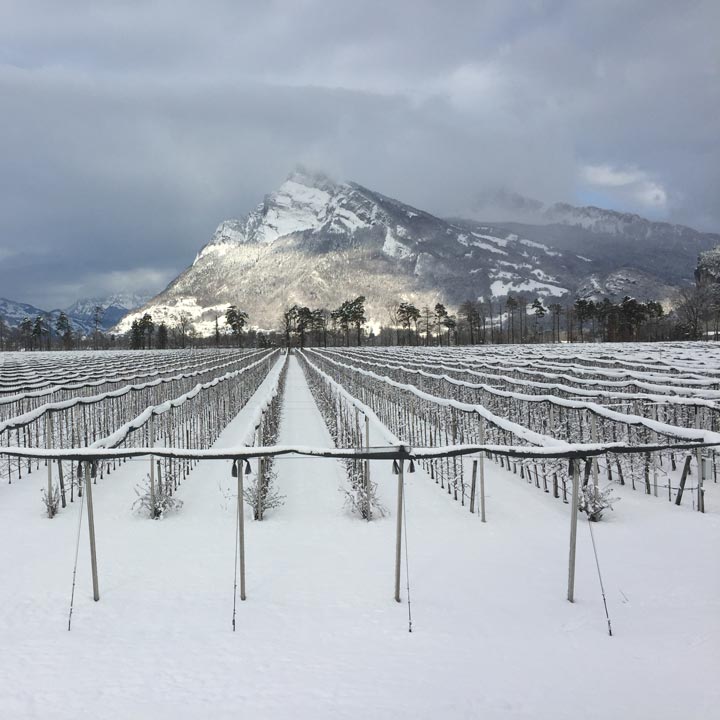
x: 320, y: 635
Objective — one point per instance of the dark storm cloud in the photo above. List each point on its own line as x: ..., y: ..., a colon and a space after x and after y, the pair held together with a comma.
x: 129, y: 130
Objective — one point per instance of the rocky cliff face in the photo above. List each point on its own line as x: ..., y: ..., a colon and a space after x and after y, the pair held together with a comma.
x: 317, y: 242
x: 708, y: 267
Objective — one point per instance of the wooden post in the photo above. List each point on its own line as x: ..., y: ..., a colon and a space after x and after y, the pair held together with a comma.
x: 398, y: 538
x: 241, y: 527
x: 573, y: 531
x: 91, y: 528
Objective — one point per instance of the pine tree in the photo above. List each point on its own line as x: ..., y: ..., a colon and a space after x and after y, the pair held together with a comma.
x: 236, y: 320
x: 97, y: 317
x: 162, y: 336
x: 64, y: 330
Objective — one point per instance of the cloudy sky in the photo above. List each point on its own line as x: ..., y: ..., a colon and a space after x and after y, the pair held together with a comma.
x: 129, y: 129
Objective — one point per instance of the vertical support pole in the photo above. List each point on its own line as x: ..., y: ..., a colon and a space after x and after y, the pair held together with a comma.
x: 594, y: 439
x: 398, y: 539
x: 701, y: 482
x: 655, y: 474
x: 367, y: 468
x: 48, y: 444
x: 573, y: 530
x: 482, y: 490
x: 241, y: 528
x: 472, y: 487
x: 482, y: 471
x: 152, y: 465
x: 91, y: 528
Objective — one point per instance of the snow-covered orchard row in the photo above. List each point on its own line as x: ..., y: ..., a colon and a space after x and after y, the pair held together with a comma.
x: 185, y: 410
x: 657, y: 441
x: 137, y: 369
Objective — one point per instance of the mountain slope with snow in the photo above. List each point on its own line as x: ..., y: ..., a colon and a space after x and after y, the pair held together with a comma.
x: 80, y: 313
x: 317, y: 243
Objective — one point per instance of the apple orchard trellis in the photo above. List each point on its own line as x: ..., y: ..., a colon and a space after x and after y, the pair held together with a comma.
x: 435, y: 431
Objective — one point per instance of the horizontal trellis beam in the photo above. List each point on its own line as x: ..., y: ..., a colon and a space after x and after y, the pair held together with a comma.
x: 399, y: 452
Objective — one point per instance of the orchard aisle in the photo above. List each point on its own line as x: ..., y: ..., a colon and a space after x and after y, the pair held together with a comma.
x: 299, y: 559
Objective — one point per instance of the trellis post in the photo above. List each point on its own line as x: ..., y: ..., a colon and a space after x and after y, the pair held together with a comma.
x: 151, y: 434
x: 472, y: 486
x: 241, y: 526
x: 573, y: 531
x: 49, y: 443
x: 482, y: 471
x: 594, y: 439
x: 700, y: 482
x: 367, y: 468
x: 398, y: 538
x: 91, y: 529
x: 482, y: 490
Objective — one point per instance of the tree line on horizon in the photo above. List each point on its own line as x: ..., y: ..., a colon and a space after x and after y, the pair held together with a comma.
x: 516, y: 319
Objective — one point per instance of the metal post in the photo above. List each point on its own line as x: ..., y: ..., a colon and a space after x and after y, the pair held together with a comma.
x: 482, y: 471
x: 472, y: 487
x: 241, y: 529
x: 91, y: 528
x: 482, y: 490
x: 593, y: 435
x: 48, y: 443
x: 573, y: 531
x: 701, y: 483
x: 398, y: 539
x: 655, y: 474
x: 367, y: 468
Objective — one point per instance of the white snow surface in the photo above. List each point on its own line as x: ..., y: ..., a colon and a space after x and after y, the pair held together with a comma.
x: 500, y: 288
x: 320, y: 635
x: 394, y: 248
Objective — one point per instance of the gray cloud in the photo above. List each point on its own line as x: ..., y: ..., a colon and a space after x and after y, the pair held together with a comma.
x: 129, y: 130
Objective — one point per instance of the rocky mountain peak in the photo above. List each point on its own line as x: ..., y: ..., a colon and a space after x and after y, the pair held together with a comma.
x: 317, y: 242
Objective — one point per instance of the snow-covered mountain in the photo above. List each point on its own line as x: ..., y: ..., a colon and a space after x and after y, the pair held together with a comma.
x: 114, y: 308
x: 317, y: 242
x: 80, y: 313
x: 13, y: 313
x: 627, y: 281
x: 610, y: 239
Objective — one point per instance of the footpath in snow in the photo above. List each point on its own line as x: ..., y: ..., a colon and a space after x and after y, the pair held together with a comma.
x: 320, y: 635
